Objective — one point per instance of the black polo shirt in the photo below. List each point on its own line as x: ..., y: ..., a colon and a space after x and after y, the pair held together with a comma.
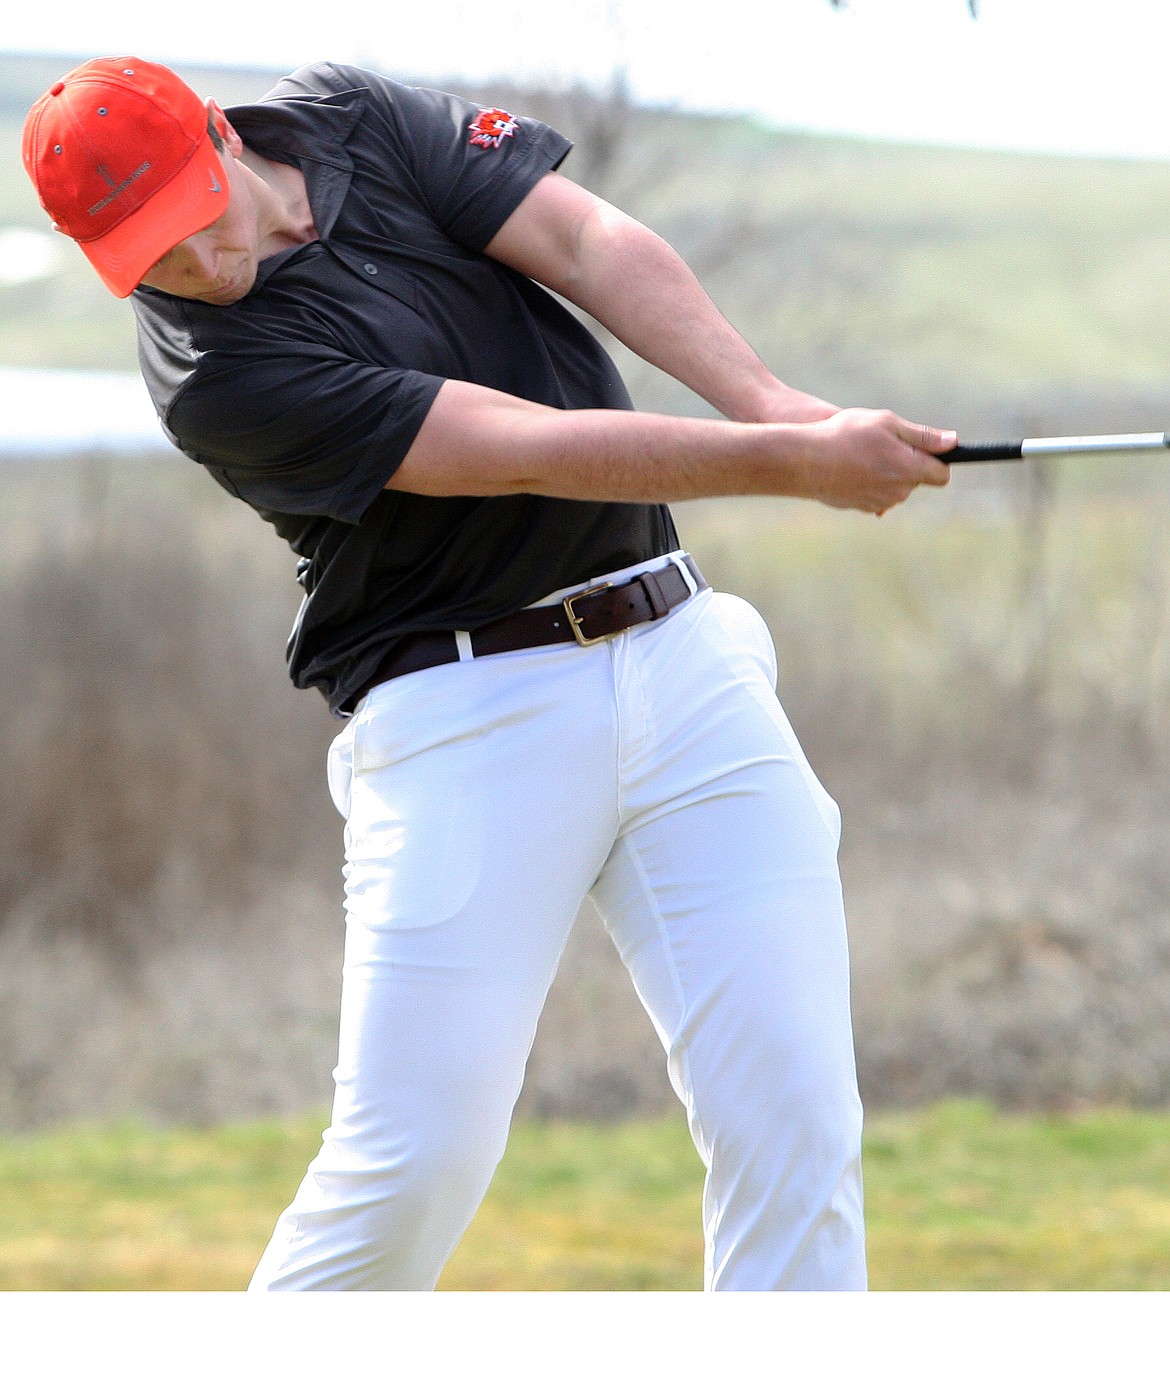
x: 303, y: 398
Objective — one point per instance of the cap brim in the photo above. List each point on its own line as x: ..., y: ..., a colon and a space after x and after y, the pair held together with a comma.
x: 194, y: 198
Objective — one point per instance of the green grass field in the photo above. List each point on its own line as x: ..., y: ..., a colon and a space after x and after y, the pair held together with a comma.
x: 959, y: 1197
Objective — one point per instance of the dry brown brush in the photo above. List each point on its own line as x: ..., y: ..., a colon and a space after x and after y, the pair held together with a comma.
x: 983, y: 681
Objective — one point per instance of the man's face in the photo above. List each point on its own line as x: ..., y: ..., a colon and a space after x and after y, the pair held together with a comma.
x: 217, y: 265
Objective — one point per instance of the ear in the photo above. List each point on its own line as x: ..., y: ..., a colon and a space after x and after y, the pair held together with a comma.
x: 235, y: 144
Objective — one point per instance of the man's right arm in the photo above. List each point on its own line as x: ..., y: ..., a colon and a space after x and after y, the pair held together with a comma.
x: 479, y: 442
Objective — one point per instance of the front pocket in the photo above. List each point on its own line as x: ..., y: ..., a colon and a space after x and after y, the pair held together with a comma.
x: 416, y: 831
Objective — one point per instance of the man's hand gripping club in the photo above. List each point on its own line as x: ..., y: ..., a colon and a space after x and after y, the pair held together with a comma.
x: 872, y: 460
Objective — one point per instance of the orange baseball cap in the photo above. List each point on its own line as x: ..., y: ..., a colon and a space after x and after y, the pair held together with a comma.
x: 119, y: 153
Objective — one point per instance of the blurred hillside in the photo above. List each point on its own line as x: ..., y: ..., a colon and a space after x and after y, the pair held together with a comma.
x: 982, y: 678
x: 987, y: 290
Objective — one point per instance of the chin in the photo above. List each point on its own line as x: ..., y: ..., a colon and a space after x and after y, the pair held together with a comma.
x: 233, y: 291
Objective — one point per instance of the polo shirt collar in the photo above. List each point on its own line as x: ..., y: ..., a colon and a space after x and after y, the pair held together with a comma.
x: 310, y: 133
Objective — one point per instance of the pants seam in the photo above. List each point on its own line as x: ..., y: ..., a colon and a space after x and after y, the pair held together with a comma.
x: 687, y: 1082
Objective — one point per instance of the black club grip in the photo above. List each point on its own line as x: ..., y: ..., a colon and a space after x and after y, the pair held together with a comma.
x: 984, y: 453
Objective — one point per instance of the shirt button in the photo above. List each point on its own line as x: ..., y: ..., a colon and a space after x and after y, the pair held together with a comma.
x: 371, y: 269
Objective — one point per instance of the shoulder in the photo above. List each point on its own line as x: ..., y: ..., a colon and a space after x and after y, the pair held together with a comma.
x: 338, y: 83
x: 182, y: 344
x: 167, y: 350
x: 317, y: 79
x: 312, y: 113
x: 331, y: 100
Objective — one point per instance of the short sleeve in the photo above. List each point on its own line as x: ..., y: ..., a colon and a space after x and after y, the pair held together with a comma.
x: 473, y: 164
x: 309, y: 433
x: 470, y: 166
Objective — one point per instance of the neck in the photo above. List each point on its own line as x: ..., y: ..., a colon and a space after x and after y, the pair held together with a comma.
x: 282, y: 199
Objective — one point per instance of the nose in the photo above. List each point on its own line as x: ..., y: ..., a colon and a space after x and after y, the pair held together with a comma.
x: 198, y: 260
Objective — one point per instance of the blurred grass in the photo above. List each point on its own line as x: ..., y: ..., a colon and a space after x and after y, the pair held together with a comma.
x: 959, y: 1197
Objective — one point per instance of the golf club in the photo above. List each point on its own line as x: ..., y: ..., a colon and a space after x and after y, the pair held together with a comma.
x: 1061, y: 444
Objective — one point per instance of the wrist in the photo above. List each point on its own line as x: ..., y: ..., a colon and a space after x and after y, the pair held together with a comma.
x: 779, y: 459
x: 770, y: 401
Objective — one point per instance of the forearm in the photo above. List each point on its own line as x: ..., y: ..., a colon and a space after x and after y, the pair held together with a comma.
x: 478, y: 442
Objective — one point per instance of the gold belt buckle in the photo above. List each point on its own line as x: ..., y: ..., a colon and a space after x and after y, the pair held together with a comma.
x: 575, y: 620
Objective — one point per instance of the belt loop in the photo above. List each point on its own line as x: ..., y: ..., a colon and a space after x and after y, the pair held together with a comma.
x: 659, y: 606
x: 463, y: 645
x: 681, y: 562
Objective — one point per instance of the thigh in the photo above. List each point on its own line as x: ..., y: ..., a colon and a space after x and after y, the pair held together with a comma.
x: 735, y: 939
x: 479, y: 809
x: 723, y: 893
x: 723, y: 897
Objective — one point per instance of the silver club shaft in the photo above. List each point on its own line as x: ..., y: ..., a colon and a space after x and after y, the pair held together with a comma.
x: 1094, y: 444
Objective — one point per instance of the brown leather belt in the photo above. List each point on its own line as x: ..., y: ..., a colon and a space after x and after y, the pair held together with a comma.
x: 588, y: 617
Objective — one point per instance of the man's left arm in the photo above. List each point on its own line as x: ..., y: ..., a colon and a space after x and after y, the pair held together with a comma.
x: 632, y: 282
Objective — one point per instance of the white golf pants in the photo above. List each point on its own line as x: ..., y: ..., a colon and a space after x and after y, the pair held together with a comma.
x: 657, y: 773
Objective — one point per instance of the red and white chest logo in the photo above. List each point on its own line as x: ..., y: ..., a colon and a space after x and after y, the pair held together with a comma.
x: 491, y: 127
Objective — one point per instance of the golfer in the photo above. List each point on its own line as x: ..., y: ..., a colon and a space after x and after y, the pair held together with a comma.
x: 346, y: 311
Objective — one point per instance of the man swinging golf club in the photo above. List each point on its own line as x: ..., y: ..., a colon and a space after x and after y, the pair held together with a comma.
x: 343, y: 295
